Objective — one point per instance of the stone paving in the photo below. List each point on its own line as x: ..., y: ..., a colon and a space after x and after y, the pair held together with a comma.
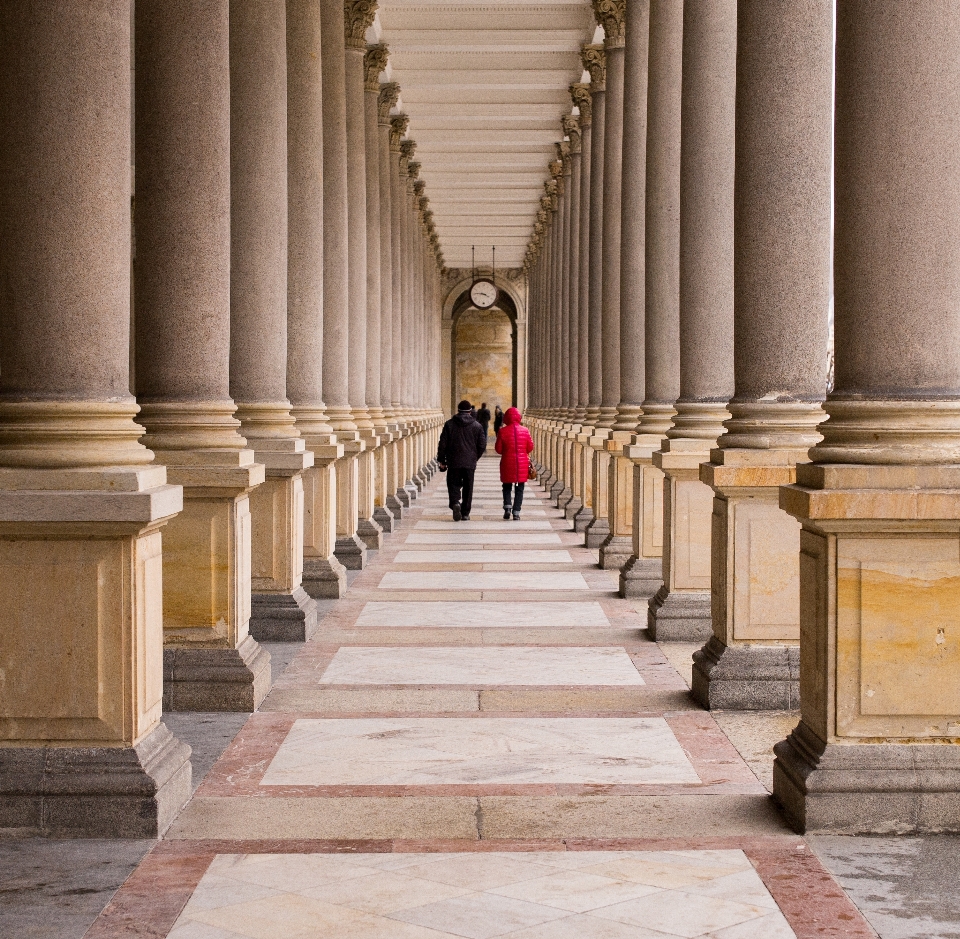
x: 480, y: 742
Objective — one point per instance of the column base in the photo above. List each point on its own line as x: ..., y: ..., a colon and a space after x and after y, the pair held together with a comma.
x: 351, y: 552
x: 641, y: 577
x: 396, y: 508
x: 746, y: 678
x: 283, y: 617
x: 556, y: 490
x: 216, y: 679
x: 866, y: 788
x: 403, y: 497
x: 384, y: 518
x: 412, y: 490
x: 96, y: 792
x: 564, y: 499
x: 370, y: 533
x: 596, y: 532
x: 324, y: 578
x: 679, y: 617
x: 572, y: 508
x: 583, y: 519
x: 615, y: 551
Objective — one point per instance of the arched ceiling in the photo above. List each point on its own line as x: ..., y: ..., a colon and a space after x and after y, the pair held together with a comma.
x: 485, y: 85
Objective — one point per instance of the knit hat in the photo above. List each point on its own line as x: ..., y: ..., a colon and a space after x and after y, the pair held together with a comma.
x: 464, y: 405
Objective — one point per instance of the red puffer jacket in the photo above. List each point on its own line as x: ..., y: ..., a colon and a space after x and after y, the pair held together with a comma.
x: 513, y: 444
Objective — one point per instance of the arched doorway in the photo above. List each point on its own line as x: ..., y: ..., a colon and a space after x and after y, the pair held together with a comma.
x: 483, y: 351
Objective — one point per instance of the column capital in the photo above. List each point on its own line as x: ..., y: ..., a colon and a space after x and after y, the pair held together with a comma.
x: 580, y: 93
x: 398, y: 127
x: 413, y: 169
x: 387, y: 99
x: 374, y: 62
x: 612, y: 16
x: 563, y: 155
x: 408, y: 148
x: 571, y: 127
x: 594, y: 59
x: 357, y: 19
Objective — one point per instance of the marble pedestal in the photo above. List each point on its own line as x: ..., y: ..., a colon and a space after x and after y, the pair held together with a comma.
x: 584, y: 515
x: 324, y: 577
x: 752, y: 660
x: 599, y: 528
x: 349, y: 549
x: 642, y: 575
x: 207, y: 562
x: 680, y: 609
x: 281, y: 610
x: 82, y: 749
x: 617, y: 547
x: 876, y: 749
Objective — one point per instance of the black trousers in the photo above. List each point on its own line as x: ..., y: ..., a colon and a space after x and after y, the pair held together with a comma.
x: 509, y: 496
x: 460, y: 488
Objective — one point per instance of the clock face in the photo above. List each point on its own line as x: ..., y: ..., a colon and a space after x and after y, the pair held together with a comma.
x: 483, y: 294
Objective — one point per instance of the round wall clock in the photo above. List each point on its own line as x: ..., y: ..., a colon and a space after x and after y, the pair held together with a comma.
x: 483, y: 294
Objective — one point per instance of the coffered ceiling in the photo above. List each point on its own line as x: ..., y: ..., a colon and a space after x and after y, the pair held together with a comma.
x: 485, y: 85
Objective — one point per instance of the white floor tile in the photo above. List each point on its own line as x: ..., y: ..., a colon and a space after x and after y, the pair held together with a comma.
x: 482, y: 580
x: 487, y: 665
x: 487, y: 556
x: 438, y: 751
x: 475, y: 895
x: 477, y: 526
x: 503, y: 536
x: 483, y: 614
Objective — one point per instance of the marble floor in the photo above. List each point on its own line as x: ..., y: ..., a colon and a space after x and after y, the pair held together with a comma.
x: 479, y: 741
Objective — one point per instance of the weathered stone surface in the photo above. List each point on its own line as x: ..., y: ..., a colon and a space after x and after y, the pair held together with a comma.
x: 747, y: 677
x: 216, y: 679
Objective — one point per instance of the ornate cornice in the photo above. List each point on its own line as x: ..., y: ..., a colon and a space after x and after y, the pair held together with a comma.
x: 612, y: 16
x: 571, y: 127
x: 387, y: 99
x: 398, y: 127
x: 580, y: 93
x: 594, y: 59
x: 374, y: 62
x: 357, y: 19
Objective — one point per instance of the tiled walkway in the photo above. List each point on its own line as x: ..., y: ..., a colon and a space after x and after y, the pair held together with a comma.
x: 481, y: 742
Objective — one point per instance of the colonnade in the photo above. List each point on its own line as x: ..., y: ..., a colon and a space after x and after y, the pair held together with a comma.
x: 219, y: 371
x: 681, y: 273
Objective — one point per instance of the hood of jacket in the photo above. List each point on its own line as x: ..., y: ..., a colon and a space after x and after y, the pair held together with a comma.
x: 465, y: 417
x: 512, y: 416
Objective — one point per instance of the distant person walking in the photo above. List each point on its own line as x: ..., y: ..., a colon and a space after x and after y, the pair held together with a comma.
x: 497, y: 420
x: 483, y: 415
x: 462, y: 443
x: 514, y: 444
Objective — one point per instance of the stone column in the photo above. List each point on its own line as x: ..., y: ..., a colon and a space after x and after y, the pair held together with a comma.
x: 349, y: 549
x: 83, y: 750
x: 875, y: 750
x: 782, y: 261
x: 617, y: 549
x: 642, y: 575
x: 580, y: 94
x: 386, y: 99
x: 680, y: 610
x: 281, y: 610
x: 565, y: 494
x: 323, y: 574
x: 596, y: 526
x: 374, y: 62
x: 571, y: 127
x: 182, y: 307
x: 358, y: 18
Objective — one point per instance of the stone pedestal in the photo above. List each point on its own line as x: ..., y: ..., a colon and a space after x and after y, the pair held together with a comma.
x: 599, y: 528
x: 756, y: 584
x: 584, y: 515
x: 617, y: 547
x: 350, y: 549
x: 680, y: 609
x: 875, y: 750
x: 323, y: 574
x: 368, y: 530
x: 642, y: 575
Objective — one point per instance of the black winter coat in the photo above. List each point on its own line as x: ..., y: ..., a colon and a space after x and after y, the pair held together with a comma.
x: 462, y: 443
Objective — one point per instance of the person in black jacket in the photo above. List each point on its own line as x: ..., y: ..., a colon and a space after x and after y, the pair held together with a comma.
x: 462, y: 443
x: 483, y: 415
x: 497, y: 420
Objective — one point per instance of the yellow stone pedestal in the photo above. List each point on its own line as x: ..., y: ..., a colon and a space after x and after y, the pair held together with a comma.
x: 876, y: 749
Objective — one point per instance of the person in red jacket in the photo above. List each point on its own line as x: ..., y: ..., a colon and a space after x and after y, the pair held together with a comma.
x: 514, y: 444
